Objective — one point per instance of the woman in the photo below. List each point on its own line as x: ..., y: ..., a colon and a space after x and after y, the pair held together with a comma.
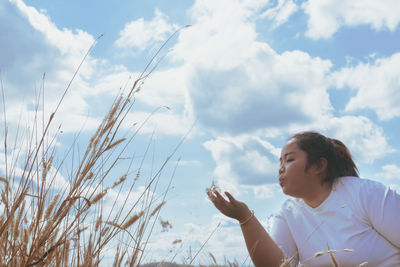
x: 334, y: 215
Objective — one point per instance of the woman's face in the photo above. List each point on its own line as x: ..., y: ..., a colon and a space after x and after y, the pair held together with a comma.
x: 294, y: 179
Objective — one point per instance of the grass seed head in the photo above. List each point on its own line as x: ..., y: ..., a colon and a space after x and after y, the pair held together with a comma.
x: 211, y: 190
x: 99, y: 196
x: 157, y: 208
x: 50, y: 208
x: 89, y: 176
x: 165, y: 225
x: 132, y: 220
x: 121, y: 180
x: 115, y: 144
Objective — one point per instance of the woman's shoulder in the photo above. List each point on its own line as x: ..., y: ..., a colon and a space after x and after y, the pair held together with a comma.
x: 361, y: 190
x: 358, y: 183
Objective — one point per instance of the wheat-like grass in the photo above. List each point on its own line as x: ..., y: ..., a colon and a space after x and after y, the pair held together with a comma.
x: 43, y: 225
x: 132, y: 220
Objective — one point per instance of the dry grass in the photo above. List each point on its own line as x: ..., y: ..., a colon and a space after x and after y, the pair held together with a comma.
x: 43, y: 225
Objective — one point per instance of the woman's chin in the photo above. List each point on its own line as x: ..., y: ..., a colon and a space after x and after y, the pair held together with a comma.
x: 284, y: 190
x: 287, y: 191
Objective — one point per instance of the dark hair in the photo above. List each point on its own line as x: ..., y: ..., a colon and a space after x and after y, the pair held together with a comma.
x: 317, y: 146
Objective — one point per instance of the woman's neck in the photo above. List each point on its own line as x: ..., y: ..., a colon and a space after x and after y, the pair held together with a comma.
x: 318, y: 195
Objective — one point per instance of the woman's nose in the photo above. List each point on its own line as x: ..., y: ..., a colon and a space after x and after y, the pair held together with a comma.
x: 281, y: 169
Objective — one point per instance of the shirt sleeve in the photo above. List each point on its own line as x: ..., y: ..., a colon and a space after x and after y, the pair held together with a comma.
x: 282, y: 236
x: 382, y: 206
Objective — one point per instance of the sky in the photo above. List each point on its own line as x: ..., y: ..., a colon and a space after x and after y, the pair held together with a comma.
x: 244, y: 77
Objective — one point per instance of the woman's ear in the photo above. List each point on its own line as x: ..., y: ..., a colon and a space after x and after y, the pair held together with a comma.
x: 321, y: 166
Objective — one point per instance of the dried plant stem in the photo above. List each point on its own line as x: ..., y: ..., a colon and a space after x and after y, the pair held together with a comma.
x: 204, y: 243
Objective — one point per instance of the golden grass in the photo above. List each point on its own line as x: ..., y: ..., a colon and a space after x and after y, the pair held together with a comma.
x: 43, y: 225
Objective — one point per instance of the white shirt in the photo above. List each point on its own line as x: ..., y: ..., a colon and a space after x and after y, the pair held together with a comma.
x: 360, y: 221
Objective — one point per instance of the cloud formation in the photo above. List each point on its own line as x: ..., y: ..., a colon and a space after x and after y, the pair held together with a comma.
x: 244, y: 160
x: 326, y: 17
x: 267, y: 90
x: 377, y: 86
x: 281, y: 13
x: 237, y: 84
x: 366, y: 140
x: 32, y: 39
x: 141, y: 34
x: 390, y: 171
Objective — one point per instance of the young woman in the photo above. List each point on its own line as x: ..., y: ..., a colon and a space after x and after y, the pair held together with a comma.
x: 334, y: 216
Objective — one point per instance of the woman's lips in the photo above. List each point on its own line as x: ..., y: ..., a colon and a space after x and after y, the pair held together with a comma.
x: 281, y: 181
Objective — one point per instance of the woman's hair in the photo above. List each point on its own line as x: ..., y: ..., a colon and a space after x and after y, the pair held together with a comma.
x: 317, y: 146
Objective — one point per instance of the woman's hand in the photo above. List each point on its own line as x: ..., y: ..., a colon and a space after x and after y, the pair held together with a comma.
x: 234, y: 209
x: 262, y: 249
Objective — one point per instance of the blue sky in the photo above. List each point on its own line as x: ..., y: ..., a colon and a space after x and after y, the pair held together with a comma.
x: 247, y: 74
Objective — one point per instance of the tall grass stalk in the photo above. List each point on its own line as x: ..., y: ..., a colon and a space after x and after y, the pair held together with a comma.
x: 41, y: 224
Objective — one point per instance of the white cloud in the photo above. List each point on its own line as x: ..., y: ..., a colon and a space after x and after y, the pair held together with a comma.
x: 213, y: 40
x: 55, y: 180
x: 377, y: 86
x: 109, y: 82
x: 73, y: 45
x: 243, y: 160
x: 365, y: 140
x: 390, y: 171
x: 35, y: 46
x: 281, y: 12
x: 237, y: 84
x: 141, y: 34
x: 326, y: 17
x: 263, y: 191
x: 164, y: 92
x: 166, y: 88
x: 262, y: 92
x: 165, y: 122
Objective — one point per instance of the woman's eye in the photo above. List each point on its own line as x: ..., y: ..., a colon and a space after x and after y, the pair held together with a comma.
x: 289, y: 160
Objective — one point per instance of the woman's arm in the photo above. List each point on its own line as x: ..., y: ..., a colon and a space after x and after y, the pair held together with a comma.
x: 262, y: 249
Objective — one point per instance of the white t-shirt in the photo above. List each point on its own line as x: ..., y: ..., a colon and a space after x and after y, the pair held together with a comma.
x: 360, y: 221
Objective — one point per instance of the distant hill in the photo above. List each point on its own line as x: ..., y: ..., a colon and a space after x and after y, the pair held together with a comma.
x: 163, y: 264
x: 173, y: 264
